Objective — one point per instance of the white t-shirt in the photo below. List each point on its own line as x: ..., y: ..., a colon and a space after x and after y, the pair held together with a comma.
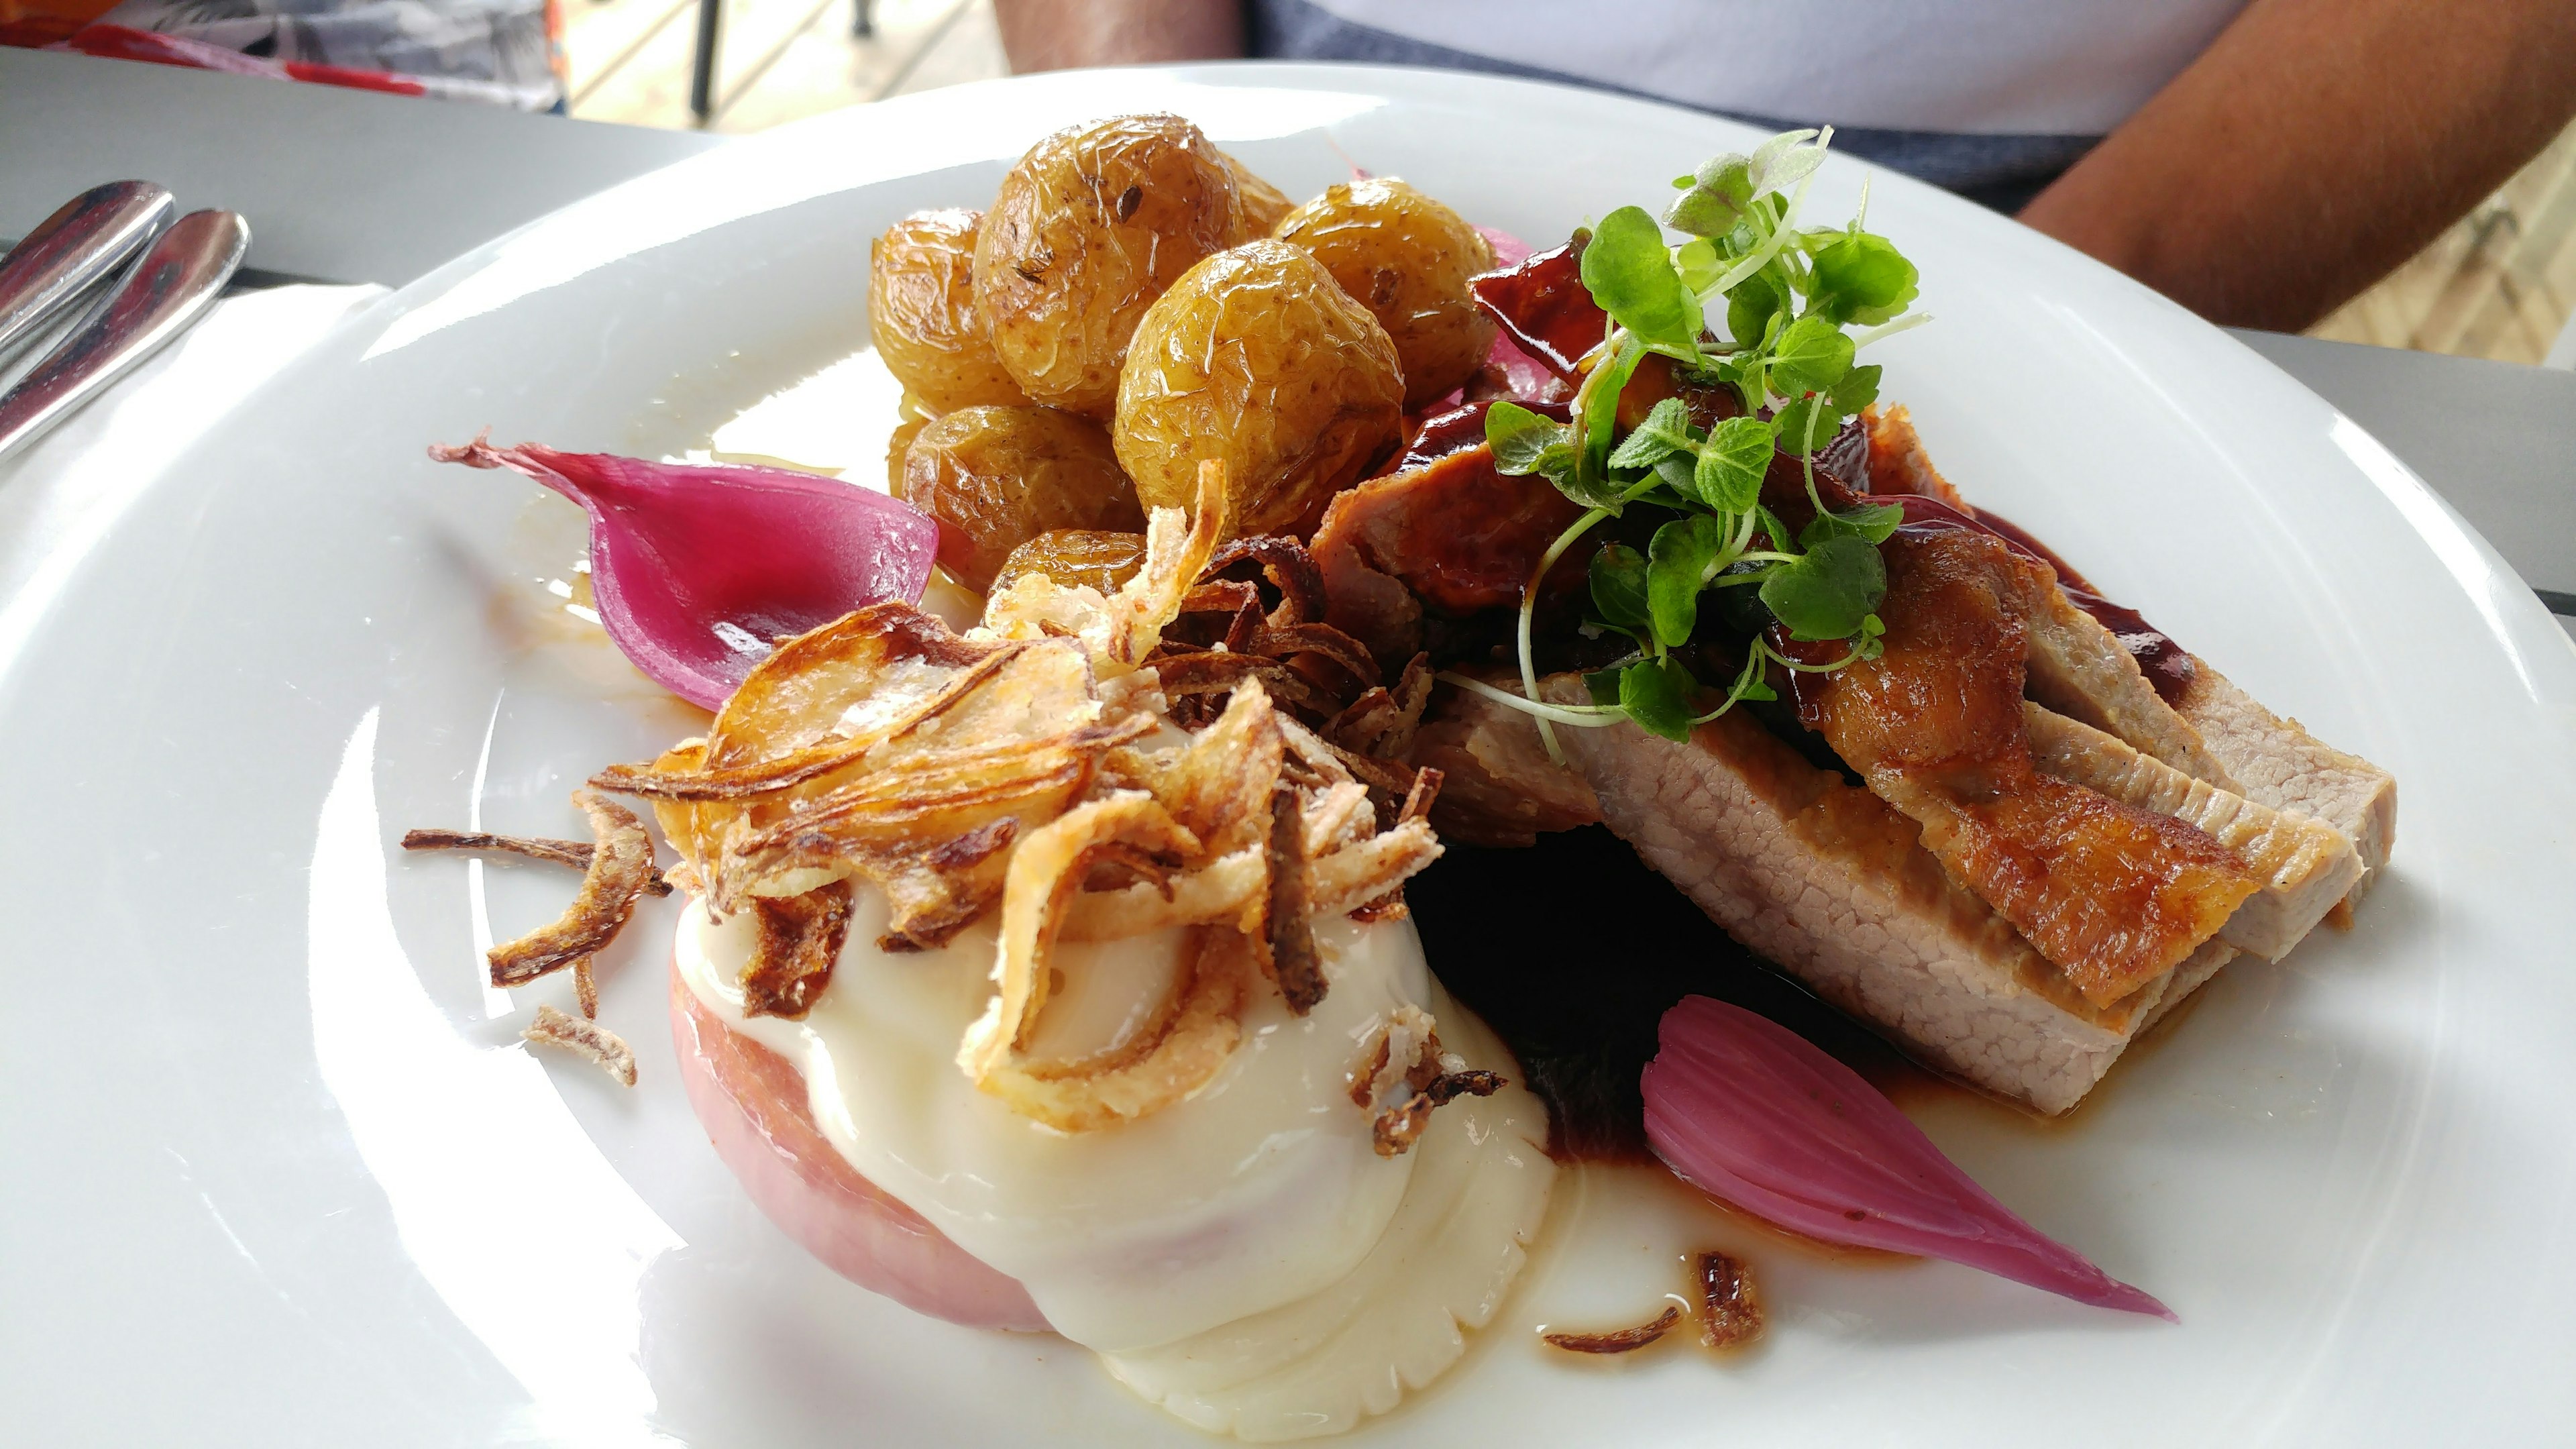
x: 1974, y: 67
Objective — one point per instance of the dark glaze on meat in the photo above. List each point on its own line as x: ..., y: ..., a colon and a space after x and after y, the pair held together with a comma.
x: 1460, y: 535
x: 2167, y: 665
x: 1460, y: 428
x: 1442, y: 434
x: 1543, y: 306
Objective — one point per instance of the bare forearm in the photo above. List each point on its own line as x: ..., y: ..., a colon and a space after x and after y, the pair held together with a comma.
x: 2316, y: 145
x: 1060, y: 34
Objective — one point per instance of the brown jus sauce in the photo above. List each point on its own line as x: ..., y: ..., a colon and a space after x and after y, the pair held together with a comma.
x: 1573, y: 949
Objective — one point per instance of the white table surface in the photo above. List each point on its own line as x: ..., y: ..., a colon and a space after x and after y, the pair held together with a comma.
x: 352, y: 186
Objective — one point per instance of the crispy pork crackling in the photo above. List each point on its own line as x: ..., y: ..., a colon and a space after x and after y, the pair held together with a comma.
x: 1909, y: 901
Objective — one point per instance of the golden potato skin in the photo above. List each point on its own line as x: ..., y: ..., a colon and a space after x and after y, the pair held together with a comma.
x: 995, y: 478
x: 1087, y: 231
x: 1407, y: 258
x: 898, y: 447
x: 921, y: 311
x: 1073, y: 556
x: 1263, y: 203
x: 1258, y: 359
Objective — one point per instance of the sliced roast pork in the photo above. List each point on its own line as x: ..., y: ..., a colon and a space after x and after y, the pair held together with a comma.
x: 2100, y: 664
x: 2065, y: 822
x: 1497, y: 785
x: 1834, y: 886
x: 2114, y: 895
x: 2304, y: 867
x: 2278, y: 763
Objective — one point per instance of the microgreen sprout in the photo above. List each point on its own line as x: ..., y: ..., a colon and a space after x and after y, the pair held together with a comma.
x: 1787, y: 301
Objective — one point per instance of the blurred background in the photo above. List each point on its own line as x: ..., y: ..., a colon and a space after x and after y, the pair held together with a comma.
x: 2500, y: 283
x: 780, y: 60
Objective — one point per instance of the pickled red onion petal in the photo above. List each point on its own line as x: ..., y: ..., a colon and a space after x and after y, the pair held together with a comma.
x: 1509, y: 250
x: 697, y: 568
x: 1748, y: 1111
x: 1525, y: 377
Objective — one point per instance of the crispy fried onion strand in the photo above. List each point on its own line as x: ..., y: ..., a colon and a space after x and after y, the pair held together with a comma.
x: 1177, y: 550
x: 795, y: 767
x: 584, y: 1038
x: 574, y: 853
x: 1290, y: 569
x: 799, y: 943
x: 1404, y: 1076
x: 1183, y: 1042
x: 1287, y: 933
x: 1227, y: 887
x: 1314, y: 669
x: 1380, y: 724
x: 1120, y: 630
x: 913, y: 764
x: 621, y: 865
x: 1618, y: 1340
x: 1215, y: 837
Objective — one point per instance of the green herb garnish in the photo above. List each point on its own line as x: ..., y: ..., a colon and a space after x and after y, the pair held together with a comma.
x: 1788, y: 299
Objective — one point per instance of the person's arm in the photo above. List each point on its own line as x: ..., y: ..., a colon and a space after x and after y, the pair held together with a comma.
x: 1061, y: 34
x: 2315, y: 146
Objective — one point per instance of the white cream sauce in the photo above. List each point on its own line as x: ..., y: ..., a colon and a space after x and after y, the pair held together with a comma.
x: 1260, y: 1189
x: 1244, y: 1259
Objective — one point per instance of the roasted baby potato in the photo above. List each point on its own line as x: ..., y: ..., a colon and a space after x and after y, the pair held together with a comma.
x: 1073, y: 556
x: 1088, y: 230
x: 921, y: 311
x: 997, y: 477
x: 899, y: 447
x: 1407, y: 258
x: 1257, y: 358
x: 1263, y: 203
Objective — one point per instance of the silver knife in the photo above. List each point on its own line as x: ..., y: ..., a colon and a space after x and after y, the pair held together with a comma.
x: 88, y: 239
x: 174, y: 284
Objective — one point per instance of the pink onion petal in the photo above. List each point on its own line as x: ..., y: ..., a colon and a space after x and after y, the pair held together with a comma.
x: 1525, y: 378
x: 1748, y: 1111
x: 698, y: 568
x: 1509, y: 250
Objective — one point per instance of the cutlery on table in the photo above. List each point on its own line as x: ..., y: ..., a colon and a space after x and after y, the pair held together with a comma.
x: 86, y: 240
x: 177, y: 280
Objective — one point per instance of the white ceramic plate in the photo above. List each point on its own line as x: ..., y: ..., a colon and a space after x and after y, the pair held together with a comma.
x: 277, y: 1170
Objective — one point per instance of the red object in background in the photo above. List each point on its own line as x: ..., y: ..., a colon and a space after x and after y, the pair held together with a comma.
x: 32, y: 23
x: 27, y: 30
x: 118, y: 42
